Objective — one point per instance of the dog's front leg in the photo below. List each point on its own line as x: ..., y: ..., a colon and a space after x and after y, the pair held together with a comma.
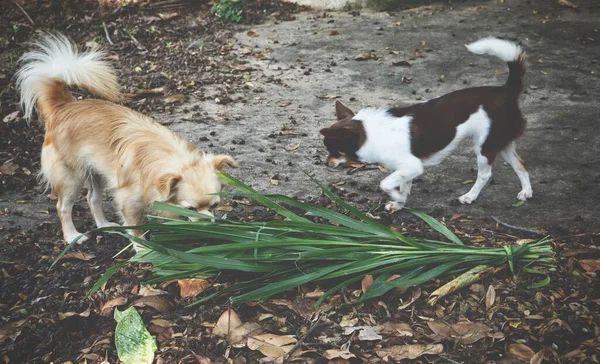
x: 131, y: 206
x: 398, y: 184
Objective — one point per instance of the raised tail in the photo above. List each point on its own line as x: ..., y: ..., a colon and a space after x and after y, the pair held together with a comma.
x: 510, y: 53
x: 55, y: 63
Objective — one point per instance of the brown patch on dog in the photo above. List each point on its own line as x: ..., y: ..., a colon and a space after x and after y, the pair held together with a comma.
x: 434, y: 122
x: 345, y: 137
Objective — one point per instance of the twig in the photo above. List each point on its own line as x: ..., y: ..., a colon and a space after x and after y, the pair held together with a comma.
x: 518, y: 228
x: 137, y: 42
x: 107, y: 35
x: 312, y: 328
x: 449, y: 360
x: 24, y: 12
x: 362, y: 167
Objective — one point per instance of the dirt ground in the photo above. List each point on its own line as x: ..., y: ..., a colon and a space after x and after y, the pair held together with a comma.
x: 260, y: 91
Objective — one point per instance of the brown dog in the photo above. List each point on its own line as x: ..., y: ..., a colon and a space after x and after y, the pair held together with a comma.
x: 102, y: 145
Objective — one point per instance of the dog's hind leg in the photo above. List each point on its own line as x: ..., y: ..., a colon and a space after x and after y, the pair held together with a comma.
x: 398, y: 184
x: 94, y: 197
x: 511, y: 157
x: 484, y: 173
x: 66, y: 185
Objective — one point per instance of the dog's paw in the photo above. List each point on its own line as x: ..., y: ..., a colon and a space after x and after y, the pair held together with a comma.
x: 82, y: 238
x: 524, y: 195
x: 393, y: 206
x: 467, y: 199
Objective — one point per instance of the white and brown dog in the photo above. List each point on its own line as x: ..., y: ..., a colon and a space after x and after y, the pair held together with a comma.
x: 103, y: 145
x: 405, y: 139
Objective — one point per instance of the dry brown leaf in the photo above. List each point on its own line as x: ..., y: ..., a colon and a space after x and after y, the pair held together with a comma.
x: 364, y: 57
x: 490, y: 297
x: 401, y: 352
x: 162, y: 333
x: 524, y: 241
x: 8, y: 168
x: 335, y: 354
x: 174, y: 98
x: 367, y: 282
x: 239, y: 67
x: 366, y: 333
x: 290, y: 148
x: 158, y: 303
x: 145, y: 91
x: 334, y: 32
x: 466, y: 332
x: 314, y: 295
x: 401, y: 64
x: 162, y: 323
x: 79, y: 256
x: 590, y: 265
x: 456, y: 216
x: 261, y: 56
x: 13, y: 116
x: 12, y: 330
x: 106, y: 308
x: 348, y: 320
x: 64, y: 315
x: 245, y: 51
x: 225, y: 208
x: 397, y: 328
x: 202, y: 359
x: 520, y: 351
x: 274, y: 346
x: 568, y: 3
x: 328, y: 96
x: 168, y: 16
x: 228, y: 321
x: 538, y: 358
x: 252, y: 33
x: 147, y: 291
x: 416, y: 294
x: 192, y: 286
x: 238, y: 337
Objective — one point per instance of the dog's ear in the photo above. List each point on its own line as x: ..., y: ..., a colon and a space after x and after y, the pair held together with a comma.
x: 342, y: 111
x: 167, y: 183
x: 219, y: 161
x: 336, y: 133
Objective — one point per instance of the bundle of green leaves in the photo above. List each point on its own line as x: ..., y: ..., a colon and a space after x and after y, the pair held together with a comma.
x: 316, y: 245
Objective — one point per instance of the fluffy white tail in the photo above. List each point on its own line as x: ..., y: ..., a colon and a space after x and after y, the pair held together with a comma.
x: 55, y: 62
x: 503, y: 49
x: 510, y: 53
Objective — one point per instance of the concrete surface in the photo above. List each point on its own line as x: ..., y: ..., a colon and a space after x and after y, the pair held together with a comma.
x: 314, y: 56
x: 561, y: 145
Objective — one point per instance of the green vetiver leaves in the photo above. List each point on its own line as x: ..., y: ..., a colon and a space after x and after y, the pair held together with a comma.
x: 267, y: 258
